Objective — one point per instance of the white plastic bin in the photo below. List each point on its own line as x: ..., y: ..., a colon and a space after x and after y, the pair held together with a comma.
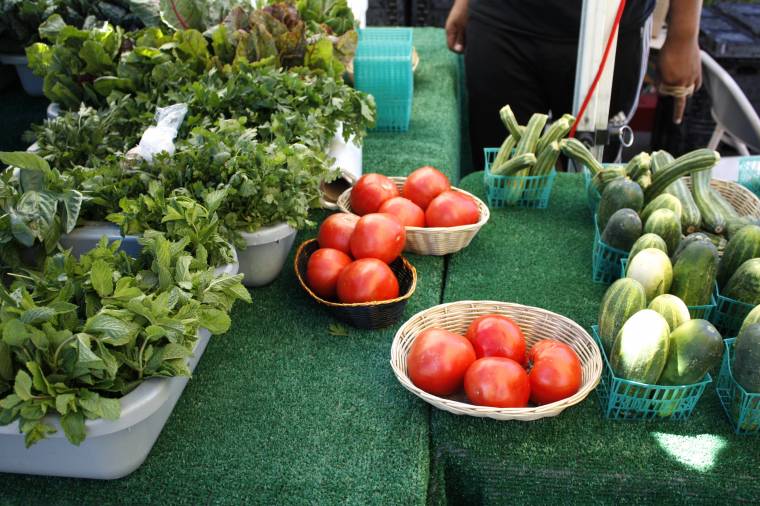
x: 262, y: 260
x: 83, y: 239
x: 31, y: 83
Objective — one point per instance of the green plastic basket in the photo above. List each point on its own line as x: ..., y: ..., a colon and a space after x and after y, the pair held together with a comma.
x: 696, y: 312
x: 729, y: 314
x: 749, y: 173
x: 622, y: 399
x: 605, y: 259
x: 592, y: 194
x: 535, y: 190
x: 742, y: 408
x: 383, y: 68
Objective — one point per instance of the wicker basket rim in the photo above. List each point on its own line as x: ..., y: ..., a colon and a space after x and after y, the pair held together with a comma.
x: 485, y: 213
x: 305, y: 286
x: 546, y: 409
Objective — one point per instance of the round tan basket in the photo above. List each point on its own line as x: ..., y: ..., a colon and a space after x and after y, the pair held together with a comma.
x: 536, y: 324
x: 744, y: 201
x: 433, y: 240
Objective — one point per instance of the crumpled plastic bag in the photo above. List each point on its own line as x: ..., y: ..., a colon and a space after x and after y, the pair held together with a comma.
x: 160, y: 138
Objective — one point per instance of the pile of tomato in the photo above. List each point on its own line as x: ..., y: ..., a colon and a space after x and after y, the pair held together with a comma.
x: 426, y: 199
x: 493, y: 366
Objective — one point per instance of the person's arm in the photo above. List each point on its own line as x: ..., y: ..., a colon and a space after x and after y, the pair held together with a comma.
x: 456, y: 24
x: 679, y: 63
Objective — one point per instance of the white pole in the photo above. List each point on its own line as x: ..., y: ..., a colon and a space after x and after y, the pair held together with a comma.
x: 596, y: 22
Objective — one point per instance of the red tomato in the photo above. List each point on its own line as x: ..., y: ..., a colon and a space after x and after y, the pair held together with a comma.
x: 370, y: 191
x: 556, y: 372
x: 498, y: 382
x: 367, y: 280
x: 425, y: 184
x: 438, y: 360
x: 335, y: 231
x: 495, y: 335
x: 450, y: 209
x: 379, y: 236
x: 407, y: 212
x: 323, y: 269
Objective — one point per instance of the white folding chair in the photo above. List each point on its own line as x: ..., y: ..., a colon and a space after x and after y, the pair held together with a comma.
x: 737, y: 123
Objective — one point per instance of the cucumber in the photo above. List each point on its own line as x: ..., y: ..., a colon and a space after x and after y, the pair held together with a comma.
x: 638, y: 166
x: 619, y: 194
x: 691, y: 218
x: 556, y: 132
x: 694, y: 273
x: 694, y: 162
x: 647, y: 241
x: 664, y: 201
x: 746, y: 367
x: 736, y: 223
x: 744, y: 285
x: 712, y: 218
x: 752, y: 317
x: 510, y: 121
x: 641, y: 347
x: 696, y: 236
x: 622, y: 230
x: 695, y: 347
x: 546, y: 160
x: 651, y: 267
x: 623, y: 299
x: 517, y: 164
x: 666, y: 224
x: 745, y: 244
x: 580, y: 154
x: 671, y: 308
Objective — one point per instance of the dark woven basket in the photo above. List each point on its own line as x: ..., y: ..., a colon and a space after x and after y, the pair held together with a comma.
x: 365, y: 315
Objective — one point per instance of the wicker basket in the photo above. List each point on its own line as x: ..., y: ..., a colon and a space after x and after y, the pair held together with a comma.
x: 364, y: 315
x: 744, y: 201
x: 433, y: 240
x: 535, y: 323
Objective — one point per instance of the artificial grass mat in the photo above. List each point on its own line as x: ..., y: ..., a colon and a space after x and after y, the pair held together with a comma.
x: 543, y: 258
x: 280, y: 410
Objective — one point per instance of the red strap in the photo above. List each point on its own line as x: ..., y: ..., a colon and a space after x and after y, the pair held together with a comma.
x: 602, y: 64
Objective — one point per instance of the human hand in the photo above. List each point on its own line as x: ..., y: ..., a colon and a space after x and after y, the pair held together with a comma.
x: 455, y: 26
x: 680, y: 68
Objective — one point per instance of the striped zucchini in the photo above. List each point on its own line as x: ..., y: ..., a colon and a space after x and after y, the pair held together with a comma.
x: 712, y: 217
x: 690, y: 215
x: 529, y: 139
x: 518, y: 163
x: 557, y: 131
x: 638, y: 165
x: 577, y: 151
x: 605, y: 176
x: 505, y: 151
x: 659, y: 160
x: 694, y: 162
x: 644, y: 180
x: 724, y: 205
x: 546, y: 160
x: 510, y: 121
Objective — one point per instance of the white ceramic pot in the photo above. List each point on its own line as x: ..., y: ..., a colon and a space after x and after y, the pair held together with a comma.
x: 263, y: 258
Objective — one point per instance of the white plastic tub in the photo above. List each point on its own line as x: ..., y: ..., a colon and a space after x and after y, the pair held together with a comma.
x: 262, y: 260
x: 31, y: 83
x: 53, y: 110
x: 83, y: 239
x: 113, y: 449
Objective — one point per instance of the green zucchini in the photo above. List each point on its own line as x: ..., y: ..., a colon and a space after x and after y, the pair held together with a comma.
x: 517, y: 164
x: 726, y: 209
x: 712, y: 217
x: 638, y: 165
x: 546, y: 160
x: 556, y: 131
x: 601, y: 179
x: 510, y: 121
x: 577, y: 151
x: 694, y: 162
x: 660, y: 160
x: 690, y: 217
x: 529, y: 139
x: 505, y: 151
x: 644, y: 180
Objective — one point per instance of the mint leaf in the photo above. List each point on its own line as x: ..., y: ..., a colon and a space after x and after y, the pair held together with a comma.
x: 23, y: 386
x: 65, y: 402
x: 215, y: 320
x: 15, y: 333
x: 73, y: 426
x: 101, y: 276
x: 37, y: 315
x: 26, y: 160
x: 111, y: 330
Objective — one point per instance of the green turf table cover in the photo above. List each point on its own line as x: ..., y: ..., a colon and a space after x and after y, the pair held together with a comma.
x: 279, y: 410
x: 543, y: 258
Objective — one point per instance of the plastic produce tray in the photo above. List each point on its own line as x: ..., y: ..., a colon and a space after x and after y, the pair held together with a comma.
x: 606, y: 260
x: 742, y: 408
x: 749, y: 173
x: 729, y: 314
x: 622, y: 399
x: 536, y: 190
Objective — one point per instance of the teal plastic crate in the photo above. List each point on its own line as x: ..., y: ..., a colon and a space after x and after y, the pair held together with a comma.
x: 742, y: 408
x: 749, y: 173
x: 383, y: 68
x: 592, y: 194
x: 605, y: 260
x: 535, y: 190
x: 621, y: 399
x: 696, y: 312
x: 729, y: 314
